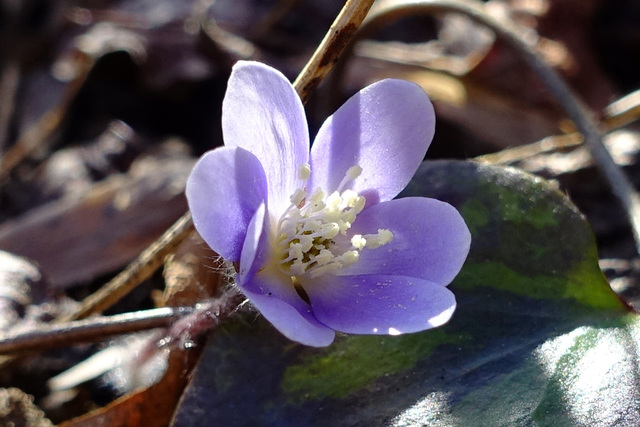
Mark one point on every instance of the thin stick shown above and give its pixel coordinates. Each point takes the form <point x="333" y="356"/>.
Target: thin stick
<point x="138" y="271"/>
<point x="521" y="152"/>
<point x="89" y="330"/>
<point x="328" y="52"/>
<point x="576" y="111"/>
<point x="9" y="82"/>
<point x="620" y="113"/>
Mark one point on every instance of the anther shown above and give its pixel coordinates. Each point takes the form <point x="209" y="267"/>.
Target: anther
<point x="304" y="171"/>
<point x="352" y="173"/>
<point x="307" y="229"/>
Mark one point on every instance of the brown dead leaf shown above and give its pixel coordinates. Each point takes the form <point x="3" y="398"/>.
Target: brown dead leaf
<point x="192" y="274"/>
<point x="75" y="241"/>
<point x="189" y="280"/>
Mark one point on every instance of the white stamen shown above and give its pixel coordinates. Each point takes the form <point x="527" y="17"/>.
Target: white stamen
<point x="352" y="173"/>
<point x="298" y="196"/>
<point x="307" y="229"/>
<point x="358" y="241"/>
<point x="381" y="238"/>
<point x="304" y="171"/>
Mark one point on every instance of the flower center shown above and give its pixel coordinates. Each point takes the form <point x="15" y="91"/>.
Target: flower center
<point x="307" y="229"/>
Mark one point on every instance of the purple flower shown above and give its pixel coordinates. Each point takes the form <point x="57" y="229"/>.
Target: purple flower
<point x="321" y="246"/>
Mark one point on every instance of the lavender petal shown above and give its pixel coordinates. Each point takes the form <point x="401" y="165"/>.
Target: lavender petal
<point x="279" y="303"/>
<point x="430" y="240"/>
<point x="386" y="129"/>
<point x="379" y="304"/>
<point x="224" y="190"/>
<point x="262" y="113"/>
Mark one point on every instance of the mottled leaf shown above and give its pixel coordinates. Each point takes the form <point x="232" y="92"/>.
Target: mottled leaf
<point x="538" y="336"/>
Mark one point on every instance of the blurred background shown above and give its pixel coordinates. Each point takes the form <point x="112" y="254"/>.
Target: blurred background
<point x="105" y="105"/>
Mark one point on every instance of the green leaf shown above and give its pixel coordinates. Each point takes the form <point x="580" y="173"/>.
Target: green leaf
<point x="538" y="336"/>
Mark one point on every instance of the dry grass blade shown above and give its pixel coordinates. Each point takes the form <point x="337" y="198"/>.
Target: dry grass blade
<point x="620" y="113"/>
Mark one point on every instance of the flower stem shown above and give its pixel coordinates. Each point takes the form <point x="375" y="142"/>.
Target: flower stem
<point x="182" y="323"/>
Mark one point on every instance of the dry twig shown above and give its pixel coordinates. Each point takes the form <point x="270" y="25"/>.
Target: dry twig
<point x="332" y="46"/>
<point x="89" y="330"/>
<point x="618" y="114"/>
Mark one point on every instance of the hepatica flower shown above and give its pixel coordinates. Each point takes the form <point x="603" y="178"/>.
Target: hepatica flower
<point x="319" y="244"/>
